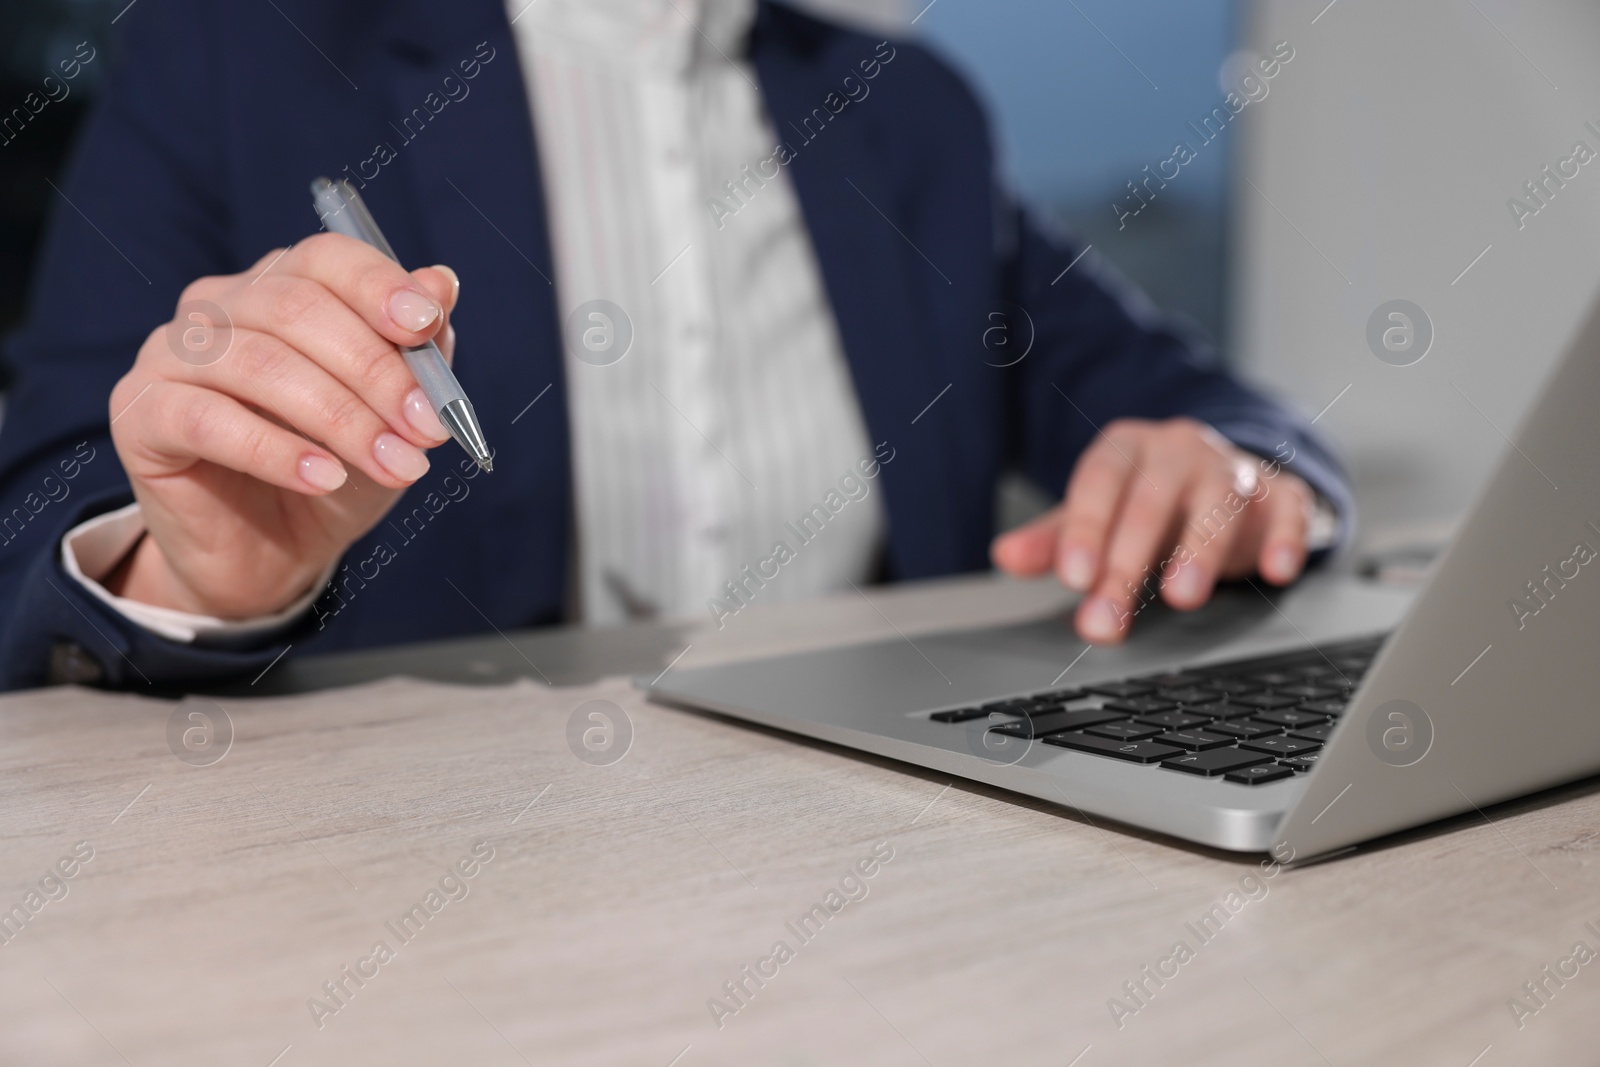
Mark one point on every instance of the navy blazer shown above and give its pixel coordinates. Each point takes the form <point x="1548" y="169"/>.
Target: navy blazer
<point x="196" y="160"/>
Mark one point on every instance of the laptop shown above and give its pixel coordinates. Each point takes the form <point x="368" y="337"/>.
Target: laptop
<point x="1301" y="721"/>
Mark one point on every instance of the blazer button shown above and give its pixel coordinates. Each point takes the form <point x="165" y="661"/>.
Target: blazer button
<point x="70" y="664"/>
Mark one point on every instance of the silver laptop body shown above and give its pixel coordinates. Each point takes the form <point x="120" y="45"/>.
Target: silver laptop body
<point x="1485" y="689"/>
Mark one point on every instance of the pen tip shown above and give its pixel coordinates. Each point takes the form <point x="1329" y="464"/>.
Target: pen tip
<point x="487" y="464"/>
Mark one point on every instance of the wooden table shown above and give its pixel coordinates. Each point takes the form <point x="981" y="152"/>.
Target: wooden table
<point x="621" y="901"/>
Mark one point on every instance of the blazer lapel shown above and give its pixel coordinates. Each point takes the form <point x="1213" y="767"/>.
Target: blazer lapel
<point x="466" y="160"/>
<point x="843" y="182"/>
<point x="464" y="146"/>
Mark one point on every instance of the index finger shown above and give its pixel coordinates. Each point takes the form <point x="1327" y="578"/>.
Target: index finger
<point x="374" y="286"/>
<point x="1094" y="494"/>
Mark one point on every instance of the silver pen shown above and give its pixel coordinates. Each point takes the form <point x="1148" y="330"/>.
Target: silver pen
<point x="342" y="211"/>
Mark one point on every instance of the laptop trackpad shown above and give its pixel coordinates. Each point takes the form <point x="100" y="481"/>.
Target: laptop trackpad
<point x="1242" y="619"/>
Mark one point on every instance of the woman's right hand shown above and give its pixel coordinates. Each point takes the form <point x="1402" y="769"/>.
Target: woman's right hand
<point x="273" y="422"/>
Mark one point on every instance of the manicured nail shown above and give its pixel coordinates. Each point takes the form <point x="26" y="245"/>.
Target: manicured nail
<point x="321" y="472"/>
<point x="1284" y="561"/>
<point x="1189" y="585"/>
<point x="1077" y="569"/>
<point x="1100" y="620"/>
<point x="413" y="310"/>
<point x="455" y="282"/>
<point x="399" y="457"/>
<point x="420" y="414"/>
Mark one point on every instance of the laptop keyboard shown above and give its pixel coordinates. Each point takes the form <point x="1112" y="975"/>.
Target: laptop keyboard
<point x="1247" y="721"/>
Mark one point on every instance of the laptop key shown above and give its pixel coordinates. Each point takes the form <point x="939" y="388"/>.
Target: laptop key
<point x="1191" y="694"/>
<point x="1244" y="731"/>
<point x="1324" y="707"/>
<point x="1280" y="746"/>
<point x="1217" y="761"/>
<point x="1173" y="720"/>
<point x="1222" y="709"/>
<point x="1176" y="679"/>
<point x="1291" y="717"/>
<point x="1259" y="773"/>
<point x="1121" y="689"/>
<point x="1039" y="725"/>
<point x="1124" y="730"/>
<point x="1232" y="686"/>
<point x="1058" y="696"/>
<point x="1276" y="678"/>
<point x="958" y="715"/>
<point x="1140" y="705"/>
<point x="1266" y="700"/>
<point x="1132" y="751"/>
<point x="1196" y="740"/>
<point x="1009" y="706"/>
<point x="1318" y="734"/>
<point x="1301" y="763"/>
<point x="1309" y="692"/>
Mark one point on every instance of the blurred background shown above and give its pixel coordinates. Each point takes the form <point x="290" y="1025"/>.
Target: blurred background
<point x="1376" y="165"/>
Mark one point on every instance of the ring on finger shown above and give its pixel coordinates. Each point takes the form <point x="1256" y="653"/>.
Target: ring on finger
<point x="1245" y="480"/>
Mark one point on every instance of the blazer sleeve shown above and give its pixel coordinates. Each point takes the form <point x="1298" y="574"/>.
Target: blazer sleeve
<point x="138" y="215"/>
<point x="1100" y="351"/>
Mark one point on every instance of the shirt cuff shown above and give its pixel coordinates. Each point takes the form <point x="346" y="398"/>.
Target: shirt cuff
<point x="91" y="550"/>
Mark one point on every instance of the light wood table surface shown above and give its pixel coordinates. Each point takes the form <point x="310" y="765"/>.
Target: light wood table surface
<point x="620" y="898"/>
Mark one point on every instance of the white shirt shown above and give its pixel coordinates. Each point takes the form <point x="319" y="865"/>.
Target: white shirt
<point x="731" y="413"/>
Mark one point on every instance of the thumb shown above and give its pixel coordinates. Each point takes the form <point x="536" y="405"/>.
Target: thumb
<point x="442" y="284"/>
<point x="1030" y="548"/>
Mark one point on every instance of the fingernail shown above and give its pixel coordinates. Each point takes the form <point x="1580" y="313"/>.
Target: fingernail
<point x="399" y="457"/>
<point x="1077" y="569"/>
<point x="1100" y="620"/>
<point x="1285" y="561"/>
<point x="455" y="282"/>
<point x="321" y="472"/>
<point x="413" y="310"/>
<point x="1189" y="584"/>
<point x="420" y="414"/>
